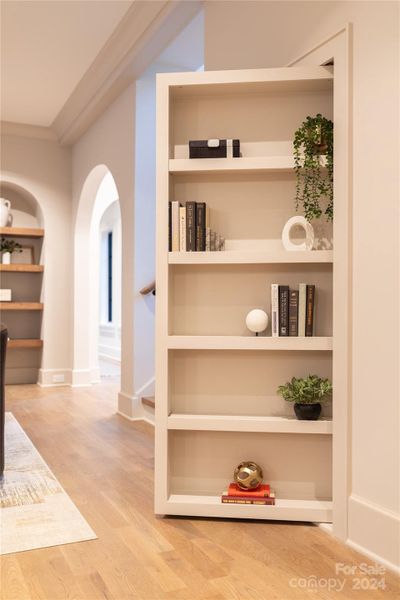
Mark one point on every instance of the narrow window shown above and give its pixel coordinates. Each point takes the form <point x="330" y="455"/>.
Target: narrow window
<point x="110" y="286"/>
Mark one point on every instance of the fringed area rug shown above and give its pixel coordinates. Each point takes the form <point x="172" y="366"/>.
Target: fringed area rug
<point x="35" y="510"/>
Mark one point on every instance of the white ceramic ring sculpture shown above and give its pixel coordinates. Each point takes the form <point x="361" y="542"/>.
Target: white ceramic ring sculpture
<point x="257" y="320"/>
<point x="309" y="231"/>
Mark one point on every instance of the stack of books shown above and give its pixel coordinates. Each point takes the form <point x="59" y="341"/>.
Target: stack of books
<point x="189" y="228"/>
<point x="235" y="495"/>
<point x="292" y="311"/>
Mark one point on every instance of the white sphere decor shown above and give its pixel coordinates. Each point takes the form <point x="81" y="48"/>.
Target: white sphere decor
<point x="308" y="229"/>
<point x="257" y="320"/>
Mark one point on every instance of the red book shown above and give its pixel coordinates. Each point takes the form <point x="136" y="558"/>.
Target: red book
<point x="229" y="499"/>
<point x="263" y="491"/>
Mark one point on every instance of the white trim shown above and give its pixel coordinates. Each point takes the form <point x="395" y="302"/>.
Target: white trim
<point x="45" y="377"/>
<point x="339" y="47"/>
<point x="373" y="556"/>
<point x="147" y="389"/>
<point x="27" y="131"/>
<point x="133" y="419"/>
<point x="146" y="29"/>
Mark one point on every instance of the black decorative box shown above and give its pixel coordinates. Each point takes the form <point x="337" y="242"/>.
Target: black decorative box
<point x="214" y="149"/>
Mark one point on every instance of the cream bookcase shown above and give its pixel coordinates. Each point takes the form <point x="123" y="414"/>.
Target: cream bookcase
<point x="216" y="401"/>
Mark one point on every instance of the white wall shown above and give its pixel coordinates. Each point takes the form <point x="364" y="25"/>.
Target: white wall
<point x="110" y="142"/>
<point x="42" y="168"/>
<point x="268" y="34"/>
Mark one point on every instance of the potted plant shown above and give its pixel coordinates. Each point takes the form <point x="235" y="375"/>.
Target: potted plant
<point x="7" y="247"/>
<point x="307" y="395"/>
<point x="314" y="177"/>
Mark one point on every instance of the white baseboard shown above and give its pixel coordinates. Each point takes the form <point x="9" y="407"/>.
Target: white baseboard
<point x="130" y="406"/>
<point x="147" y="389"/>
<point x="111" y="359"/>
<point x="134" y="418"/>
<point x="374" y="531"/>
<point x="46" y="377"/>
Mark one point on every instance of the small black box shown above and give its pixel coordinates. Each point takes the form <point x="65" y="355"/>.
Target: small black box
<point x="214" y="149"/>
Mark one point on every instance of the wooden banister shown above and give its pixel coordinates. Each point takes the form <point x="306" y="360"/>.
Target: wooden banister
<point x="149" y="289"/>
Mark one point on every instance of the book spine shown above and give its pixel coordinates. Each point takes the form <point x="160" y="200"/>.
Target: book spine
<point x="263" y="501"/>
<point x="275" y="309"/>
<point x="175" y="226"/>
<point x="208" y="239"/>
<point x="169" y="226"/>
<point x="310" y="310"/>
<point x="293" y="312"/>
<point x="191" y="226"/>
<point x="283" y="310"/>
<point x="182" y="228"/>
<point x="302" y="309"/>
<point x="212" y="240"/>
<point x="200" y="226"/>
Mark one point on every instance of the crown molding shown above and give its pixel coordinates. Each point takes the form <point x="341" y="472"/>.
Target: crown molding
<point x="146" y="29"/>
<point x="28" y="131"/>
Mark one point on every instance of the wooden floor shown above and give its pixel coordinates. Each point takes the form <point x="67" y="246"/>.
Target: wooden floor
<point x="105" y="463"/>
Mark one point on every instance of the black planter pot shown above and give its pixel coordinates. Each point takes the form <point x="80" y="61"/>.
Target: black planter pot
<point x="307" y="412"/>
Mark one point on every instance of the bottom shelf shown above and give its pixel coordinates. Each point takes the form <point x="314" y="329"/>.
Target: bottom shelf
<point x="286" y="510"/>
<point x="24" y="343"/>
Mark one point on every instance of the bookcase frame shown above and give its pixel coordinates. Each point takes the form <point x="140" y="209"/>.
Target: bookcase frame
<point x="166" y="501"/>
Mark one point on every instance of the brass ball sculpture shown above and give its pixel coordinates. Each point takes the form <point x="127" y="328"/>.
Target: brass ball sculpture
<point x="248" y="475"/>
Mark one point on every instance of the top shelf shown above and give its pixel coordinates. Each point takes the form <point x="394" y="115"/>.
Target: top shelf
<point x="22" y="232"/>
<point x="248" y="164"/>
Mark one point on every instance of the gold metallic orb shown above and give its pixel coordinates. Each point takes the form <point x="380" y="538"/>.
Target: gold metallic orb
<point x="248" y="475"/>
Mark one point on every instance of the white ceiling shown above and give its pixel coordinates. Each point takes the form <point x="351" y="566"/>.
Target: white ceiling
<point x="46" y="48"/>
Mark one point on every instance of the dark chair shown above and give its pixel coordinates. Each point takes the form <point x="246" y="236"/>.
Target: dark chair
<point x="3" y="349"/>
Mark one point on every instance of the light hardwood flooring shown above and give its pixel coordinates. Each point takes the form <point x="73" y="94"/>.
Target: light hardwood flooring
<point x="105" y="463"/>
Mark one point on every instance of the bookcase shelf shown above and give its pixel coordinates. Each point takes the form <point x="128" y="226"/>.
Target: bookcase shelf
<point x="284" y="509"/>
<point x="248" y="423"/>
<point x="250" y="198"/>
<point x="21" y="306"/>
<point x="21" y="268"/>
<point x="24" y="344"/>
<point x="237" y="342"/>
<point x="28" y="232"/>
<point x="231" y="257"/>
<point x="283" y="164"/>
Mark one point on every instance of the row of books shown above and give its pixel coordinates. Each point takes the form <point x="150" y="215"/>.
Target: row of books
<point x="189" y="228"/>
<point x="292" y="311"/>
<point x="235" y="495"/>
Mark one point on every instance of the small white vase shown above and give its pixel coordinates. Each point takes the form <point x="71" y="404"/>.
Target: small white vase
<point x="6" y="258"/>
<point x="5" y="206"/>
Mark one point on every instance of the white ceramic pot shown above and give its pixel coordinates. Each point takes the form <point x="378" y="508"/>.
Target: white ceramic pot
<point x="6" y="258"/>
<point x="5" y="206"/>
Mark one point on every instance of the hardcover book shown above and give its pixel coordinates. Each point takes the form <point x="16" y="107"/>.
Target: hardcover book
<point x="175" y="226"/>
<point x="200" y="226"/>
<point x="182" y="228"/>
<point x="191" y="226"/>
<point x="263" y="490"/>
<point x="283" y="310"/>
<point x="310" y="300"/>
<point x="263" y="501"/>
<point x="302" y="309"/>
<point x="293" y="312"/>
<point x="275" y="309"/>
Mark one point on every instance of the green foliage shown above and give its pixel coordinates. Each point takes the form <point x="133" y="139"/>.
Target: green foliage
<point x="310" y="390"/>
<point x="10" y="246"/>
<point x="313" y="184"/>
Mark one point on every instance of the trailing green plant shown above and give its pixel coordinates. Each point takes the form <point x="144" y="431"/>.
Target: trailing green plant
<point x="10" y="246"/>
<point x="310" y="390"/>
<point x="313" y="183"/>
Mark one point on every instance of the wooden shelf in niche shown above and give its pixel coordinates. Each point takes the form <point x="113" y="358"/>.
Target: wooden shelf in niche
<point x="248" y="423"/>
<point x="22" y="232"/>
<point x="21" y="268"/>
<point x="21" y="306"/>
<point x="24" y="343"/>
<point x="237" y="342"/>
<point x="250" y="257"/>
<point x="245" y="164"/>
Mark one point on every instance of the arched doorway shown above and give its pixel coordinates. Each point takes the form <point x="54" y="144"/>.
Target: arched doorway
<point x="99" y="194"/>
